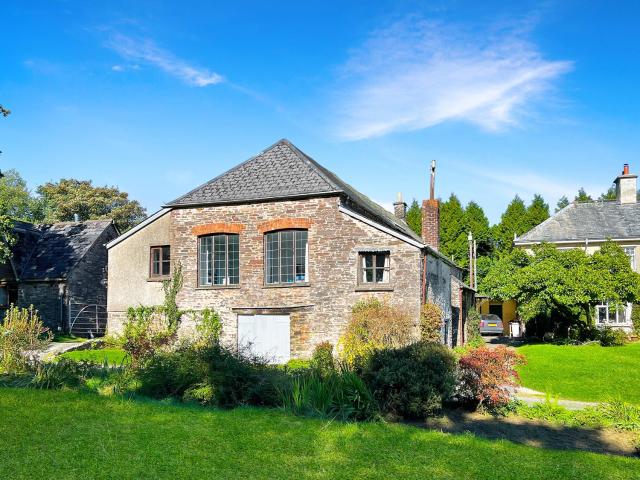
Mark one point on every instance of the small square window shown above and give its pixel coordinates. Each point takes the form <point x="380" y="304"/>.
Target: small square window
<point x="160" y="262"/>
<point x="373" y="268"/>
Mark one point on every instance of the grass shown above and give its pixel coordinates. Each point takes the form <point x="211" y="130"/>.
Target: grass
<point x="88" y="436"/>
<point x="113" y="356"/>
<point x="589" y="372"/>
<point x="67" y="338"/>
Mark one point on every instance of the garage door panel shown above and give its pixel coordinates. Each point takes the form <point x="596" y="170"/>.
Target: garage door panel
<point x="267" y="336"/>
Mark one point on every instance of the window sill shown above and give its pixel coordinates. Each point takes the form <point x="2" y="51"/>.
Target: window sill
<point x="286" y="285"/>
<point x="218" y="287"/>
<point x="159" y="279"/>
<point x="374" y="288"/>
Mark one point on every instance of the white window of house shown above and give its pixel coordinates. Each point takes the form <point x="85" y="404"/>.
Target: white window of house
<point x="607" y="314"/>
<point x="373" y="267"/>
<point x="219" y="260"/>
<point x="286" y="257"/>
<point x="631" y="253"/>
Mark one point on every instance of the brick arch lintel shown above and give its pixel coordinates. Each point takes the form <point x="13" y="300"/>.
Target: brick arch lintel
<point x="284" y="223"/>
<point x="210" y="228"/>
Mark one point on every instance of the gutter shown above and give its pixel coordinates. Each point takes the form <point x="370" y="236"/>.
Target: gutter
<point x="563" y="242"/>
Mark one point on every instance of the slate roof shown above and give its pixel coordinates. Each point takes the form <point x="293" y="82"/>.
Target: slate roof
<point x="45" y="252"/>
<point x="283" y="171"/>
<point x="590" y="220"/>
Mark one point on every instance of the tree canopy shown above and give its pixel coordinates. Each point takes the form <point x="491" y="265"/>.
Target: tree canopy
<point x="583" y="196"/>
<point x="414" y="217"/>
<point x="563" y="201"/>
<point x="67" y="197"/>
<point x="16" y="200"/>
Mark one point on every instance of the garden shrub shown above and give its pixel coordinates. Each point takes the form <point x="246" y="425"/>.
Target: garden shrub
<point x="412" y="381"/>
<point x="21" y="332"/>
<point x="473" y="328"/>
<point x="612" y="337"/>
<point x="322" y="361"/>
<point x="374" y="325"/>
<point x="430" y="322"/>
<point x="339" y="395"/>
<point x="635" y="318"/>
<point x="485" y="376"/>
<point x="209" y="328"/>
<point x="145" y="331"/>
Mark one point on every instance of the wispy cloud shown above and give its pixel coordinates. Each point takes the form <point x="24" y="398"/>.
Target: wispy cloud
<point x="416" y="74"/>
<point x="146" y="51"/>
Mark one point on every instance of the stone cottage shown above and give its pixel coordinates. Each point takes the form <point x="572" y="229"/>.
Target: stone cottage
<point x="60" y="269"/>
<point x="282" y="248"/>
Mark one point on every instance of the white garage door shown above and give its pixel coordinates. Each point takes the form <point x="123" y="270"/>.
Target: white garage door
<point x="265" y="335"/>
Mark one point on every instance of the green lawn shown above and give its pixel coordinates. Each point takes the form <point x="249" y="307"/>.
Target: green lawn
<point x="64" y="434"/>
<point x="113" y="356"/>
<point x="590" y="372"/>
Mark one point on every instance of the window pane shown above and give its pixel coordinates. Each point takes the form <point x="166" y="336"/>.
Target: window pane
<point x="368" y="275"/>
<point x="166" y="254"/>
<point x="233" y="255"/>
<point x="301" y="256"/>
<point x="286" y="257"/>
<point x="205" y="251"/>
<point x="273" y="258"/>
<point x="219" y="259"/>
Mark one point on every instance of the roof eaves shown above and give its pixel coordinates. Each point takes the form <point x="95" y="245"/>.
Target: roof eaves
<point x="150" y="219"/>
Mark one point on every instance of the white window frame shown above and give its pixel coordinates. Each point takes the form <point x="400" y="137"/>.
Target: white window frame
<point x="631" y="253"/>
<point x="622" y="315"/>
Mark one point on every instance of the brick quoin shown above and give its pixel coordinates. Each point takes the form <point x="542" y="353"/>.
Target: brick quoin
<point x="284" y="223"/>
<point x="210" y="228"/>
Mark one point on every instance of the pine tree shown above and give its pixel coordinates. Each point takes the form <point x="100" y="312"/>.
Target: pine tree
<point x="537" y="212"/>
<point x="453" y="238"/>
<point x="414" y="217"/>
<point x="477" y="223"/>
<point x="583" y="196"/>
<point x="562" y="202"/>
<point x="512" y="222"/>
<point x="610" y="194"/>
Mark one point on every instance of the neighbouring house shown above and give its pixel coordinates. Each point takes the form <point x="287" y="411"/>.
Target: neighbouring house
<point x="282" y="249"/>
<point x="60" y="269"/>
<point x="505" y="309"/>
<point x="588" y="225"/>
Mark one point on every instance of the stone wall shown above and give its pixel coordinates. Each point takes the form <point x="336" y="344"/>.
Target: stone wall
<point x="319" y="309"/>
<point x="49" y="298"/>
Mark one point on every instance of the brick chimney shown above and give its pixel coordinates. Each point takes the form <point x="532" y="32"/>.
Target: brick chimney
<point x="400" y="208"/>
<point x="431" y="214"/>
<point x="626" y="186"/>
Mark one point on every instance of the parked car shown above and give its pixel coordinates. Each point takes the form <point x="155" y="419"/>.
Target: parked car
<point x="490" y="324"/>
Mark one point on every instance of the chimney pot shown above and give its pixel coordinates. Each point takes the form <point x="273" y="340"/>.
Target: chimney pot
<point x="625" y="169"/>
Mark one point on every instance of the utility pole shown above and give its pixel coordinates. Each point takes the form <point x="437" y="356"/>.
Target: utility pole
<point x="471" y="275"/>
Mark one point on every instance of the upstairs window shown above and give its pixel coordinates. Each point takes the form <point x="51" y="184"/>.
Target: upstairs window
<point x="373" y="268"/>
<point x="286" y="257"/>
<point x="219" y="260"/>
<point x="631" y="253"/>
<point x="160" y="262"/>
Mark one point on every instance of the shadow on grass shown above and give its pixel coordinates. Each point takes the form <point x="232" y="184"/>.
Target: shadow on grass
<point x="535" y="433"/>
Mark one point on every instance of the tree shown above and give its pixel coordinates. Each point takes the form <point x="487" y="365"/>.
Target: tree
<point x="537" y="212"/>
<point x="453" y="237"/>
<point x="64" y="199"/>
<point x="476" y="222"/>
<point x="583" y="196"/>
<point x="557" y="289"/>
<point x="512" y="222"/>
<point x="16" y="200"/>
<point x="414" y="217"/>
<point x="562" y="203"/>
<point x="610" y="194"/>
<point x="4" y="111"/>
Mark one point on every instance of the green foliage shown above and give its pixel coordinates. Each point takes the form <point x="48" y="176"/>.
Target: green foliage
<point x="414" y="217"/>
<point x="635" y="318"/>
<point x="412" y="381"/>
<point x="21" y="334"/>
<point x="431" y="322"/>
<point x="341" y="395"/>
<point x="322" y="361"/>
<point x="145" y="331"/>
<point x="611" y="337"/>
<point x="557" y="289"/>
<point x="562" y="203"/>
<point x="583" y="196"/>
<point x="16" y="201"/>
<point x="473" y="328"/>
<point x="616" y="414"/>
<point x="373" y="325"/>
<point x="208" y="328"/>
<point x="537" y="212"/>
<point x="512" y="222"/>
<point x="67" y="197"/>
<point x="7" y="238"/>
<point x="171" y="289"/>
<point x="610" y="194"/>
<point x="453" y="234"/>
<point x="476" y="222"/>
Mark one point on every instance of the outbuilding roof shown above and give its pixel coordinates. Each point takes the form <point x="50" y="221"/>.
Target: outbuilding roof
<point x="46" y="252"/>
<point x="282" y="172"/>
<point x="599" y="220"/>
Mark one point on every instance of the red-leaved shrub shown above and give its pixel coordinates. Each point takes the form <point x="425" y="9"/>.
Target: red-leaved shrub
<point x="487" y="375"/>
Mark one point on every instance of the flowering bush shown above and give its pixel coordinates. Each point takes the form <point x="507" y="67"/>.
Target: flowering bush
<point x="486" y="375"/>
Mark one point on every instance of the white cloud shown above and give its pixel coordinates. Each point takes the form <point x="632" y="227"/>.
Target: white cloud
<point x="146" y="51"/>
<point x="117" y="68"/>
<point x="417" y="74"/>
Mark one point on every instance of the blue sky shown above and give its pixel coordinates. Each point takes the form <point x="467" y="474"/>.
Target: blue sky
<point x="158" y="97"/>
